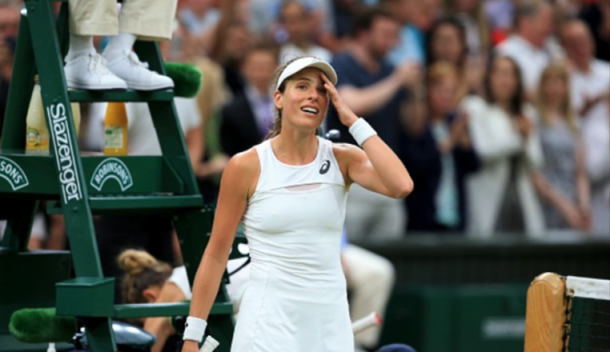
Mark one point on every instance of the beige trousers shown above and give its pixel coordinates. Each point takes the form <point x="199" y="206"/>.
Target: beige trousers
<point x="147" y="19"/>
<point x="370" y="279"/>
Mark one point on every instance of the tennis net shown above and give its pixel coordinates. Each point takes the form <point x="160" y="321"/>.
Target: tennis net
<point x="568" y="314"/>
<point x="587" y="315"/>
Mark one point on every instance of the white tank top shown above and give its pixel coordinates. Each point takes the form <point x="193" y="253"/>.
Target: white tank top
<point x="293" y="223"/>
<point x="296" y="299"/>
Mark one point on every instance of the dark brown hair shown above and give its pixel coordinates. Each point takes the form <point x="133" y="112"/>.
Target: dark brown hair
<point x="363" y="19"/>
<point x="142" y="271"/>
<point x="461" y="31"/>
<point x="518" y="98"/>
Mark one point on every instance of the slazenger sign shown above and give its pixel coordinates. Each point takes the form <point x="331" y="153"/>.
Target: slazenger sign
<point x="12" y="173"/>
<point x="111" y="168"/>
<point x="68" y="178"/>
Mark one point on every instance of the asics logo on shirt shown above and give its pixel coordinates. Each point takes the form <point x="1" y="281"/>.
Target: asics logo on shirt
<point x="325" y="167"/>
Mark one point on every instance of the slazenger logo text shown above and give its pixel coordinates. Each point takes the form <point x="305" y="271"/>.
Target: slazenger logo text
<point x="70" y="184"/>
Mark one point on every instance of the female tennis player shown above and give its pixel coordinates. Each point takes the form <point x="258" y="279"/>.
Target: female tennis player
<point x="290" y="193"/>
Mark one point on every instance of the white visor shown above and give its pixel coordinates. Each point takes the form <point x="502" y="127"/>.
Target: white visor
<point x="305" y="62"/>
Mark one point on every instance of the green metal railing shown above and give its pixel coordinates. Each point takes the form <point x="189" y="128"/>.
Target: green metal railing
<point x="162" y="184"/>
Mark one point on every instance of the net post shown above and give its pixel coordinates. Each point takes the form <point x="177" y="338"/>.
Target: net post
<point x="545" y="314"/>
<point x="567" y="327"/>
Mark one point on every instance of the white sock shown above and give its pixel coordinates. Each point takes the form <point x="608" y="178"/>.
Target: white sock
<point x="118" y="44"/>
<point x="79" y="45"/>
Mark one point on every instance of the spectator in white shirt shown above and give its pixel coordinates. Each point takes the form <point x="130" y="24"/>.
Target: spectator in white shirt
<point x="298" y="22"/>
<point x="531" y="46"/>
<point x="501" y="197"/>
<point x="590" y="86"/>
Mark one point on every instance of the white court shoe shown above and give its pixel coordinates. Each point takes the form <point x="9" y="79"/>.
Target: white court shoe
<point x="90" y="72"/>
<point x="136" y="74"/>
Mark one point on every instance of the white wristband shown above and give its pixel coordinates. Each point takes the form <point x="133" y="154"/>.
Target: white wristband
<point x="361" y="131"/>
<point x="195" y="328"/>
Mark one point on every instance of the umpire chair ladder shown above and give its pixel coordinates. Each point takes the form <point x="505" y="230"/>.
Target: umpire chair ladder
<point x="158" y="184"/>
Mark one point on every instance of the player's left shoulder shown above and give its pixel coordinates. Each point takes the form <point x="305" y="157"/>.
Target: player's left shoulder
<point x="345" y="151"/>
<point x="347" y="154"/>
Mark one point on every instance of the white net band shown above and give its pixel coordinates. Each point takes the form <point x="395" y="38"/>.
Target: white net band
<point x="588" y="288"/>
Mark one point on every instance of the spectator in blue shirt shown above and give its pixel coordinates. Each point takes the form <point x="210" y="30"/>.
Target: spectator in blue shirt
<point x="375" y="90"/>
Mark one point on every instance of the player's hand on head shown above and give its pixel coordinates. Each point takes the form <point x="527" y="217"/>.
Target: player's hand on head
<point x="346" y="115"/>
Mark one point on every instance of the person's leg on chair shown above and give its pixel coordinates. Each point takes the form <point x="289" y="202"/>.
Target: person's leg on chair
<point x="85" y="68"/>
<point x="145" y="20"/>
<point x="118" y="67"/>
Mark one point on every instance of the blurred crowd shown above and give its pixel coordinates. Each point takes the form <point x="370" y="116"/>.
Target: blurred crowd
<point x="498" y="108"/>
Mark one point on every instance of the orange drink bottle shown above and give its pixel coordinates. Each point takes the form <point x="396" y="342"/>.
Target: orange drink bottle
<point x="115" y="129"/>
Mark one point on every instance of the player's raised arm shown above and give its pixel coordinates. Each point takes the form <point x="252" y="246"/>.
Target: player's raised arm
<point x="377" y="168"/>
